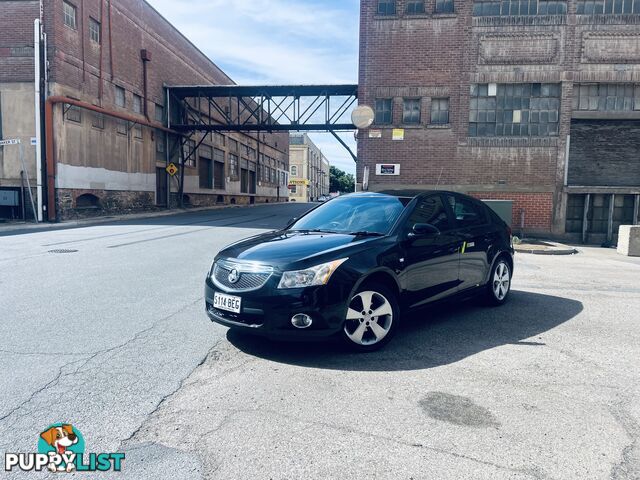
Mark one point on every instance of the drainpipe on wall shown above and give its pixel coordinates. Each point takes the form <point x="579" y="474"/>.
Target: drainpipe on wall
<point x="37" y="36"/>
<point x="145" y="55"/>
<point x="50" y="155"/>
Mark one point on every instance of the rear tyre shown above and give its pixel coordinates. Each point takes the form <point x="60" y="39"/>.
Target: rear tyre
<point x="372" y="318"/>
<point x="499" y="285"/>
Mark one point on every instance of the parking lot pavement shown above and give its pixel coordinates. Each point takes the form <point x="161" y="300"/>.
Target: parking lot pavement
<point x="545" y="387"/>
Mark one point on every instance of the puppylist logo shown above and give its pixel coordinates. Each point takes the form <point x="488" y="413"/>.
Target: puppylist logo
<point x="61" y="448"/>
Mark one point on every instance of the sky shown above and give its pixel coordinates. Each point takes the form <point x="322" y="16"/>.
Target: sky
<point x="277" y="42"/>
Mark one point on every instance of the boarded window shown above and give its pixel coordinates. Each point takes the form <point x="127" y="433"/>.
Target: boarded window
<point x="73" y="113"/>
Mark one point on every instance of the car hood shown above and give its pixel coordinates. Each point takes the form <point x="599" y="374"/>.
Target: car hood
<point x="287" y="248"/>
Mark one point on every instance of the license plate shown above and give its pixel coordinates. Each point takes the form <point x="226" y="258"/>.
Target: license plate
<point x="227" y="302"/>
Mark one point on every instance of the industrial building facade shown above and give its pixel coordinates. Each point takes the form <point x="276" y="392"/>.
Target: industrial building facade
<point x="308" y="170"/>
<point x="117" y="56"/>
<point x="534" y="101"/>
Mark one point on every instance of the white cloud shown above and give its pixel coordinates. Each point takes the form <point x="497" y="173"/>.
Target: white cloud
<point x="276" y="42"/>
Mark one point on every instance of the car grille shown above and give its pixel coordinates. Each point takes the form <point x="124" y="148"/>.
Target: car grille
<point x="247" y="280"/>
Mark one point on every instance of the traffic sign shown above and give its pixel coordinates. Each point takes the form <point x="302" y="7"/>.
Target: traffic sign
<point x="172" y="169"/>
<point x="12" y="141"/>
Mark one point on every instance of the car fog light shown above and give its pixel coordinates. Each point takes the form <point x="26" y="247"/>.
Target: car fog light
<point x="301" y="321"/>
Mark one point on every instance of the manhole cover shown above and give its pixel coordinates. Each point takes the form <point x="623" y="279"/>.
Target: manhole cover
<point x="62" y="250"/>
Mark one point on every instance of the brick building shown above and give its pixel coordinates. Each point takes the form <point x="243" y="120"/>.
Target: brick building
<point x="97" y="52"/>
<point x="308" y="170"/>
<point x="535" y="101"/>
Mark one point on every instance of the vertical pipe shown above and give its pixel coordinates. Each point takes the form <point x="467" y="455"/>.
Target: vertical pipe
<point x="585" y="218"/>
<point x="612" y="201"/>
<point x="100" y="86"/>
<point x="636" y="210"/>
<point x="110" y="42"/>
<point x="82" y="40"/>
<point x="38" y="121"/>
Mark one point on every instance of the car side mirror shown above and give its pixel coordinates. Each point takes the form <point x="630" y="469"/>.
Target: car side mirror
<point x="424" y="230"/>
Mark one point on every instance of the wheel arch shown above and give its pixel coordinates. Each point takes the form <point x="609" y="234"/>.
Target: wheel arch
<point x="500" y="254"/>
<point x="382" y="276"/>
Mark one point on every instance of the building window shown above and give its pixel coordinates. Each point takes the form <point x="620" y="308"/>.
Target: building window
<point x="219" y="139"/>
<point x="294" y="171"/>
<point x="233" y="165"/>
<point x="122" y="127"/>
<point x="73" y="113"/>
<point x="189" y="152"/>
<point x="205" y="168"/>
<point x="121" y="99"/>
<point x="218" y="169"/>
<point x="159" y="113"/>
<point x="444" y="6"/>
<point x="70" y="15"/>
<point x="386" y="7"/>
<point x="384" y="111"/>
<point x="519" y="7"/>
<point x="529" y="109"/>
<point x="415" y="8"/>
<point x="97" y="120"/>
<point x="293" y="189"/>
<point x="440" y="111"/>
<point x="607" y="7"/>
<point x="233" y="145"/>
<point x="160" y="145"/>
<point x="137" y="103"/>
<point x="411" y="111"/>
<point x="137" y="108"/>
<point x="606" y="97"/>
<point x="94" y="30"/>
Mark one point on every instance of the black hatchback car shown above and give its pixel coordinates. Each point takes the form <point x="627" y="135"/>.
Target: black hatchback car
<point x="352" y="265"/>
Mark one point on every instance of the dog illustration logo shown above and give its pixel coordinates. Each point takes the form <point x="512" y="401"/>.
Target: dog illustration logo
<point x="61" y="448"/>
<point x="62" y="443"/>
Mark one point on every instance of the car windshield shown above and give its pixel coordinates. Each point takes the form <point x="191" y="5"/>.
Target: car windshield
<point x="354" y="214"/>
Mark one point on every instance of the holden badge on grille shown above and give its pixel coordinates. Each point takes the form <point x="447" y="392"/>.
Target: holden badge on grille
<point x="234" y="276"/>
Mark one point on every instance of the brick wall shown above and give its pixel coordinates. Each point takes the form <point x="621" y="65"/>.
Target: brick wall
<point x="537" y="207"/>
<point x="16" y="40"/>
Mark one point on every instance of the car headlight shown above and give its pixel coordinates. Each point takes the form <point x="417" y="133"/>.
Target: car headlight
<point x="313" y="276"/>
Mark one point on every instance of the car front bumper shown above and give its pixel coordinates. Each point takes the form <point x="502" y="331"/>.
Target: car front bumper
<point x="268" y="310"/>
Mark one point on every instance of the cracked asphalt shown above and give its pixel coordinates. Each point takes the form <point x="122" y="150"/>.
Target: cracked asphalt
<point x="113" y="339"/>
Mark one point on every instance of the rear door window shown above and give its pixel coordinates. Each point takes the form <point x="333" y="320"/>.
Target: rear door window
<point x="431" y="210"/>
<point x="467" y="213"/>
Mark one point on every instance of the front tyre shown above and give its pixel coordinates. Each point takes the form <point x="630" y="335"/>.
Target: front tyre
<point x="372" y="318"/>
<point x="499" y="284"/>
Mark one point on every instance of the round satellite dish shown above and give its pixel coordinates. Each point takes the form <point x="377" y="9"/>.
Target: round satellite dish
<point x="362" y="116"/>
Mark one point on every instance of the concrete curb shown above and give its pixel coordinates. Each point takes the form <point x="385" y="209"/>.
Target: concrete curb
<point x="554" y="249"/>
<point x="33" y="227"/>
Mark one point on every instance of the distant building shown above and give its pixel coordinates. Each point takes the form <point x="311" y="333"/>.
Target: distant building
<point x="119" y="55"/>
<point x="534" y="101"/>
<point x="308" y="170"/>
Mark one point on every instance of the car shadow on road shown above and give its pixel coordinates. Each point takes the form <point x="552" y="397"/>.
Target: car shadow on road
<point x="432" y="337"/>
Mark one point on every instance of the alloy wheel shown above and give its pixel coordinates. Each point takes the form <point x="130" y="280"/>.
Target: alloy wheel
<point x="369" y="318"/>
<point x="501" y="281"/>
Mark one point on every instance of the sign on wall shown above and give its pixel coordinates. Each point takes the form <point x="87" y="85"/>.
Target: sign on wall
<point x="397" y="134"/>
<point x="387" y="169"/>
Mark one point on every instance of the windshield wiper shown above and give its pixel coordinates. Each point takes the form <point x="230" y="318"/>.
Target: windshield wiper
<point x="313" y="230"/>
<point x="365" y="233"/>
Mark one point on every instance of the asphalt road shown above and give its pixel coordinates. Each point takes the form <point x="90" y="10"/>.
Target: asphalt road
<point x="113" y="338"/>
